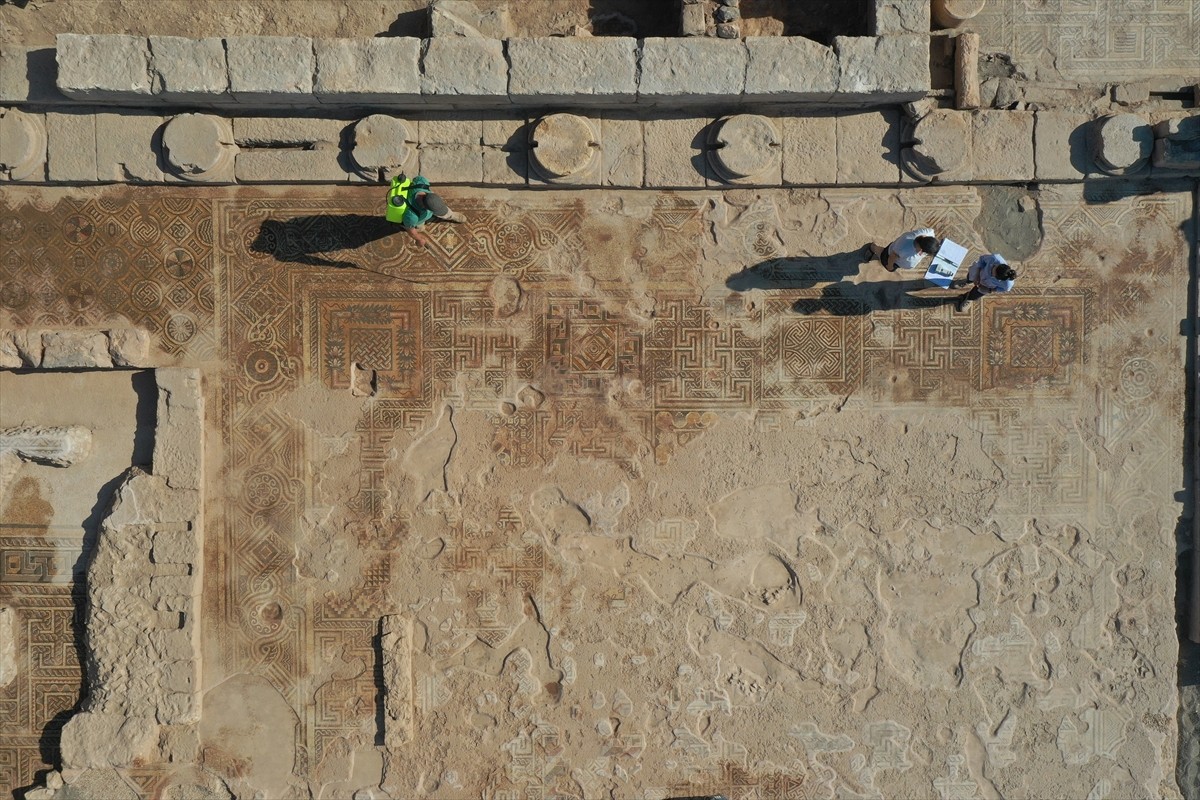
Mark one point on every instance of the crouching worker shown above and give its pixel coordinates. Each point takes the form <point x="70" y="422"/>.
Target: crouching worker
<point x="411" y="204"/>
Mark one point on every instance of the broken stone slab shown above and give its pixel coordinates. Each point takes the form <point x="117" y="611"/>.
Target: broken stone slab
<point x="675" y="152"/>
<point x="58" y="446"/>
<point x="396" y="644"/>
<point x="966" y="71"/>
<point x="599" y="70"/>
<point x="469" y="19"/>
<point x="184" y="70"/>
<point x="891" y="69"/>
<point x="8" y="646"/>
<point x="810" y="150"/>
<point x="22" y="145"/>
<point x="143" y="499"/>
<point x="178" y="456"/>
<point x="900" y="16"/>
<point x="290" y="166"/>
<point x="73" y="349"/>
<point x="71" y="148"/>
<point x="91" y="740"/>
<point x="382" y="145"/>
<point x="102" y="67"/>
<point x="10" y="356"/>
<point x="622" y="152"/>
<point x="1003" y="145"/>
<point x="127" y="148"/>
<point x="1122" y="144"/>
<point x="1061" y="151"/>
<point x="691" y="70"/>
<point x="270" y="70"/>
<point x="199" y="147"/>
<point x="379" y="70"/>
<point x="940" y="147"/>
<point x="868" y="148"/>
<point x="746" y="148"/>
<point x="129" y="347"/>
<point x="465" y="69"/>
<point x="28" y="75"/>
<point x="790" y="68"/>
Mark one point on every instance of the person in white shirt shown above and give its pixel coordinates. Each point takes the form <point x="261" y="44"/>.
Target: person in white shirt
<point x="990" y="273"/>
<point x="908" y="250"/>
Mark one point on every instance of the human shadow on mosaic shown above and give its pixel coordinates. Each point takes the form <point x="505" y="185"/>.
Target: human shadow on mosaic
<point x="848" y="299"/>
<point x="302" y="240"/>
<point x="800" y="272"/>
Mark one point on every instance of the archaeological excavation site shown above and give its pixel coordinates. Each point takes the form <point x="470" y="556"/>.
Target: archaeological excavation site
<point x="599" y="399"/>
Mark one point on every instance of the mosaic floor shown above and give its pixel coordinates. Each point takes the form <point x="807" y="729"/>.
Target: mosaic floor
<point x="678" y="496"/>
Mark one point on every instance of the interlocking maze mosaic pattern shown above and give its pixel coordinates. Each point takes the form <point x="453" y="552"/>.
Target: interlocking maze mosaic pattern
<point x="580" y="661"/>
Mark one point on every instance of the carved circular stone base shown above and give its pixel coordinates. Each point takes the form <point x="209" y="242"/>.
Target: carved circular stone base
<point x="744" y="146"/>
<point x="941" y="143"/>
<point x="198" y="147"/>
<point x="952" y="13"/>
<point x="1122" y="144"/>
<point x="564" y="146"/>
<point x="22" y="145"/>
<point x="381" y="143"/>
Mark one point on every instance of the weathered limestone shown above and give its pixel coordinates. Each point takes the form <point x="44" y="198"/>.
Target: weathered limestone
<point x="565" y="149"/>
<point x="199" y="147"/>
<point x="1003" y="145"/>
<point x="622" y="152"/>
<point x="966" y="71"/>
<point x="900" y="16"/>
<point x="1177" y="144"/>
<point x="952" y="13"/>
<point x="790" y="68"/>
<point x="178" y="429"/>
<point x="1061" y="146"/>
<point x="941" y="147"/>
<point x="22" y="145"/>
<point x="106" y="67"/>
<point x="320" y="165"/>
<point x="451" y="151"/>
<point x="557" y="69"/>
<point x="675" y="152"/>
<point x="52" y="446"/>
<point x="1122" y="144"/>
<point x="28" y="75"/>
<point x="74" y="348"/>
<point x="379" y="70"/>
<point x="693" y="18"/>
<point x="692" y="70"/>
<point x="396" y="643"/>
<point x="746" y="148"/>
<point x="505" y="152"/>
<point x="889" y="69"/>
<point x="99" y="740"/>
<point x="868" y="148"/>
<point x="183" y="69"/>
<point x="270" y="70"/>
<point x="126" y="148"/>
<point x="249" y="132"/>
<point x="464" y="69"/>
<point x="468" y="19"/>
<point x="810" y="150"/>
<point x="8" y="646"/>
<point x="382" y="145"/>
<point x="70" y="348"/>
<point x="71" y="148"/>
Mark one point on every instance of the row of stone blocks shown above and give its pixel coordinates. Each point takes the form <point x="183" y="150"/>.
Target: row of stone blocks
<point x="870" y="148"/>
<point x="470" y="72"/>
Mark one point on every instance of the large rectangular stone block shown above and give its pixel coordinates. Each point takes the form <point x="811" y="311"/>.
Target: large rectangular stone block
<point x="810" y="150"/>
<point x="451" y="163"/>
<point x="868" y="148"/>
<point x="622" y="152"/>
<point x="900" y="16"/>
<point x="179" y="429"/>
<point x="1061" y="146"/>
<point x="126" y="149"/>
<point x="188" y="69"/>
<point x="675" y="152"/>
<point x="459" y="132"/>
<point x="505" y="152"/>
<point x="1003" y="145"/>
<point x="581" y="71"/>
<point x="270" y="69"/>
<point x="697" y="69"/>
<point x="458" y="68"/>
<point x="886" y="69"/>
<point x="289" y="166"/>
<point x="483" y="20"/>
<point x="27" y="75"/>
<point x="367" y="70"/>
<point x="790" y="68"/>
<point x="102" y="67"/>
<point x="286" y="132"/>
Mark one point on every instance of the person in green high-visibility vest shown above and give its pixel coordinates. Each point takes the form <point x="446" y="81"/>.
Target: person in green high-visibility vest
<point x="411" y="204"/>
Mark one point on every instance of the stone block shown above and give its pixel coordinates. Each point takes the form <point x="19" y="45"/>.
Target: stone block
<point x="622" y="152"/>
<point x="790" y="68"/>
<point x="451" y="163"/>
<point x="469" y="19"/>
<point x="28" y="75"/>
<point x="290" y="166"/>
<point x="103" y="740"/>
<point x="1060" y="150"/>
<point x="458" y="132"/>
<point x="746" y="149"/>
<point x="199" y="147"/>
<point x="184" y="69"/>
<point x="868" y="150"/>
<point x="270" y="69"/>
<point x="459" y="68"/>
<point x="692" y="70"/>
<point x="179" y="428"/>
<point x="967" y="91"/>
<point x="693" y="21"/>
<point x="287" y="132"/>
<point x="74" y="349"/>
<point x="564" y="148"/>
<point x="172" y="644"/>
<point x="129" y="347"/>
<point x="1003" y="145"/>
<point x="891" y="69"/>
<point x="581" y="71"/>
<point x="505" y="152"/>
<point x="71" y="148"/>
<point x="147" y="500"/>
<point x="22" y="145"/>
<point x="177" y="676"/>
<point x="675" y="152"/>
<point x="367" y="70"/>
<point x="127" y="148"/>
<point x="939" y="148"/>
<point x="177" y="708"/>
<point x="900" y="16"/>
<point x="8" y="646"/>
<point x="810" y="151"/>
<point x="173" y="586"/>
<point x="396" y="647"/>
<point x="103" y="67"/>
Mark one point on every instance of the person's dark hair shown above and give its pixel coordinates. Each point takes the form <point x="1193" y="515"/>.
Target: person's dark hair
<point x="1005" y="273"/>
<point x="928" y="244"/>
<point x="435" y="204"/>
